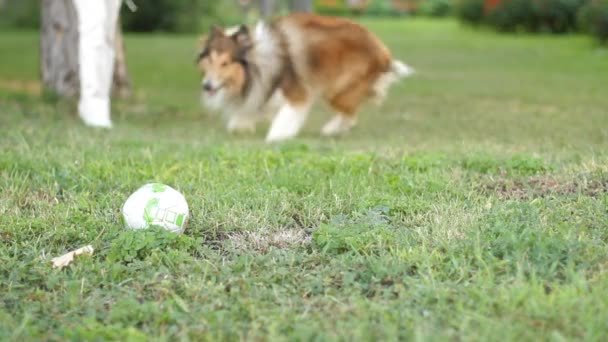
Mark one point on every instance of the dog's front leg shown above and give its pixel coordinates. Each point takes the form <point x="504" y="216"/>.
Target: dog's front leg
<point x="288" y="121"/>
<point x="242" y="122"/>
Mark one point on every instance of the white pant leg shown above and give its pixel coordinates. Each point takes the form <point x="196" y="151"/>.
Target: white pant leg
<point x="96" y="28"/>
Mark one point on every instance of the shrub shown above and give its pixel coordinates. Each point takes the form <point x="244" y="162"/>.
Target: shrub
<point x="593" y="18"/>
<point x="557" y="16"/>
<point x="435" y="8"/>
<point x="151" y="15"/>
<point x="509" y="15"/>
<point x="167" y="15"/>
<point x="20" y="14"/>
<point x="335" y="7"/>
<point x="378" y="8"/>
<point x="383" y="8"/>
<point x="470" y="11"/>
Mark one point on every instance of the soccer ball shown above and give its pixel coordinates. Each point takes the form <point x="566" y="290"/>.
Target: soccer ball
<point x="156" y="205"/>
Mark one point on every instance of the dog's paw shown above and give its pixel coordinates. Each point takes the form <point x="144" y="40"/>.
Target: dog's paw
<point x="239" y="125"/>
<point x="276" y="138"/>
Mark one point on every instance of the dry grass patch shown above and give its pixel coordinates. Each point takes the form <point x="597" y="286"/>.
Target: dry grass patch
<point x="21" y="86"/>
<point x="265" y="239"/>
<point x="544" y="186"/>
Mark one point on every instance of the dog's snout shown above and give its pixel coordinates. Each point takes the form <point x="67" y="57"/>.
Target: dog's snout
<point x="207" y="86"/>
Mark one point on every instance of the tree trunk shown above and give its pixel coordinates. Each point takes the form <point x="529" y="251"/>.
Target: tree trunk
<point x="59" y="51"/>
<point x="59" y="47"/>
<point x="121" y="82"/>
<point x="301" y="5"/>
<point x="267" y="8"/>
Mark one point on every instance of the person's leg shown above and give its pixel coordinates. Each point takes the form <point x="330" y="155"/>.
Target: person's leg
<point x="96" y="26"/>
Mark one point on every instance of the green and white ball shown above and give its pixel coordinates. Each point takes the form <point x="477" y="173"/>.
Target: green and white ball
<point x="156" y="205"/>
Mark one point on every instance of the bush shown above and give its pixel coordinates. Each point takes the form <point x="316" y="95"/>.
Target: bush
<point x="557" y="16"/>
<point x="470" y="11"/>
<point x="510" y="15"/>
<point x="332" y="8"/>
<point x="151" y="15"/>
<point x="383" y="8"/>
<point x="20" y="14"/>
<point x="593" y="19"/>
<point x="379" y="8"/>
<point x="167" y="15"/>
<point x="435" y="8"/>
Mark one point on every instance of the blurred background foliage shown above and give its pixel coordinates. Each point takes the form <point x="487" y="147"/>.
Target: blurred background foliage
<point x="189" y="16"/>
<point x="543" y="16"/>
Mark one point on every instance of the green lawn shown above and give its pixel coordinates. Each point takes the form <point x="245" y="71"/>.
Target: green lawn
<point x="471" y="206"/>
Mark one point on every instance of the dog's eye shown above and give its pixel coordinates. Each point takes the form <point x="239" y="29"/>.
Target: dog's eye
<point x="224" y="64"/>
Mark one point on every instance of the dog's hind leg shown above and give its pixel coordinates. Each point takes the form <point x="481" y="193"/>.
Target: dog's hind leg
<point x="340" y="123"/>
<point x="346" y="104"/>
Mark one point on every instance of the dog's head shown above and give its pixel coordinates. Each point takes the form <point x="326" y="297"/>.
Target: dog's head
<point x="223" y="62"/>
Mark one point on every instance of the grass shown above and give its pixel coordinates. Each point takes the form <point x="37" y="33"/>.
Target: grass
<point x="471" y="206"/>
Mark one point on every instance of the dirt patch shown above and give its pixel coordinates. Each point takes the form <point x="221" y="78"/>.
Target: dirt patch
<point x="544" y="186"/>
<point x="263" y="240"/>
<point x="35" y="198"/>
<point x="20" y="86"/>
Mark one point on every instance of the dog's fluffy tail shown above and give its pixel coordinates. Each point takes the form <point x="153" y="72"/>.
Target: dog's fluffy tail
<point x="401" y="70"/>
<point x="396" y="72"/>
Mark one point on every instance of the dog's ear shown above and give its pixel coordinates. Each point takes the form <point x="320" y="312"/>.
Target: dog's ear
<point x="243" y="40"/>
<point x="204" y="52"/>
<point x="241" y="33"/>
<point x="216" y="31"/>
<point x="202" y="48"/>
<point x="202" y="41"/>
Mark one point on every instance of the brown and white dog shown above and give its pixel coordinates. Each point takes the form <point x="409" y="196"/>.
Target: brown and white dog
<point x="285" y="65"/>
